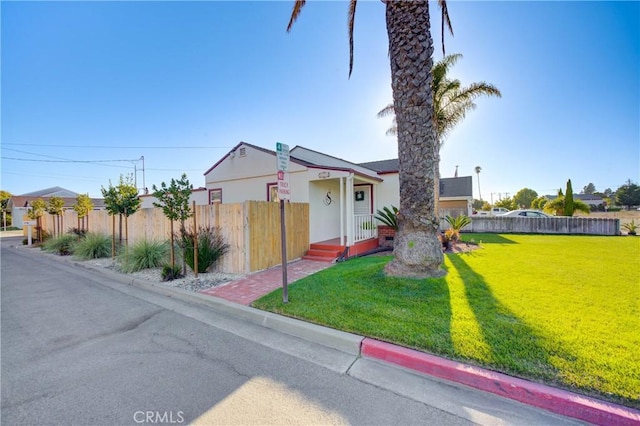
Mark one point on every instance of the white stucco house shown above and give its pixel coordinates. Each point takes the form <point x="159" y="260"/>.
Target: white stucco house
<point x="343" y="196"/>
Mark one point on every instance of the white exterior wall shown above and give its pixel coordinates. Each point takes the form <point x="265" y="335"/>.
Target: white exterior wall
<point x="16" y="216"/>
<point x="255" y="188"/>
<point x="243" y="178"/>
<point x="324" y="219"/>
<point x="387" y="193"/>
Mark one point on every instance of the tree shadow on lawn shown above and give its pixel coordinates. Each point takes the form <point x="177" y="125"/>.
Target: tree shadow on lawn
<point x="514" y="346"/>
<point x="486" y="238"/>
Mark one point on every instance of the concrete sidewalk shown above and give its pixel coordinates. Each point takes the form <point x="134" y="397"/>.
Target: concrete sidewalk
<point x="233" y="298"/>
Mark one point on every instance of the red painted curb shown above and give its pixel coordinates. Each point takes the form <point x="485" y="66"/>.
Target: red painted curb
<point x="552" y="399"/>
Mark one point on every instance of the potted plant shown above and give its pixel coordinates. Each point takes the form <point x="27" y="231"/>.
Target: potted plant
<point x="449" y="238"/>
<point x="630" y="227"/>
<point x="452" y="235"/>
<point x="387" y="232"/>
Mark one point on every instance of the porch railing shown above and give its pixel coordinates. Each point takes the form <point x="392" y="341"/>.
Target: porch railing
<point x="364" y="227"/>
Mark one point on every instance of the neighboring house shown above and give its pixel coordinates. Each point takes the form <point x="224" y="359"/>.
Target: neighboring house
<point x="343" y="196"/>
<point x="455" y="193"/>
<point x="19" y="204"/>
<point x="591" y="200"/>
<point x="199" y="195"/>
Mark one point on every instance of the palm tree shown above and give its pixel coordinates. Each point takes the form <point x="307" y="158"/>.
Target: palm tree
<point x="478" y="170"/>
<point x="417" y="251"/>
<point x="451" y="102"/>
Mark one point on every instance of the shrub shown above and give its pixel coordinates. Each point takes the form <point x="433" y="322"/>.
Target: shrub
<point x="77" y="231"/>
<point x="457" y="223"/>
<point x="144" y="254"/>
<point x="93" y="246"/>
<point x="62" y="245"/>
<point x="171" y="272"/>
<point x="631" y="227"/>
<point x="211" y="247"/>
<point x="388" y="216"/>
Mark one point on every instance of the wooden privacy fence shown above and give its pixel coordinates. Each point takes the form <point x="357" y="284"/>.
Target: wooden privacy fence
<point x="252" y="230"/>
<point x="547" y="225"/>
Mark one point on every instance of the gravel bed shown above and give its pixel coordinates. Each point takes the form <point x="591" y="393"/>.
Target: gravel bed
<point x="204" y="281"/>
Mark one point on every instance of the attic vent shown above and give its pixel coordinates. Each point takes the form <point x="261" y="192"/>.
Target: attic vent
<point x="242" y="152"/>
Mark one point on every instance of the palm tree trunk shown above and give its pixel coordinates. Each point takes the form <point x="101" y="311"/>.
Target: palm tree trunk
<point x="417" y="251"/>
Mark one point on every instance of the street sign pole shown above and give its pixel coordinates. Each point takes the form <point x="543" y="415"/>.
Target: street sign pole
<point x="284" y="193"/>
<point x="283" y="241"/>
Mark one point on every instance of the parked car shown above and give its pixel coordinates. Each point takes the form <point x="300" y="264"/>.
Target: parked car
<point x="495" y="211"/>
<point x="499" y="211"/>
<point x="526" y="213"/>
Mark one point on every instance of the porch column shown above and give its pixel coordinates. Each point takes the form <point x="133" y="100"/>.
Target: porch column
<point x="342" y="211"/>
<point x="349" y="205"/>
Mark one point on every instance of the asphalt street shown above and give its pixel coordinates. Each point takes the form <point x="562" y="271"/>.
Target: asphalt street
<point x="81" y="348"/>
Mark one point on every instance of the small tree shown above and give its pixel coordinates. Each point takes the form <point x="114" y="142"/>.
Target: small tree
<point x="174" y="202"/>
<point x="55" y="206"/>
<point x="557" y="205"/>
<point x="5" y="196"/>
<point x="121" y="200"/>
<point x="569" y="204"/>
<point x="477" y="204"/>
<point x="539" y="203"/>
<point x="507" y="203"/>
<point x="37" y="210"/>
<point x="628" y="195"/>
<point x="590" y="188"/>
<point x="525" y="197"/>
<point x="83" y="206"/>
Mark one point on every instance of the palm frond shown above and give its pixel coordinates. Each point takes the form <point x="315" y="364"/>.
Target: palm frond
<point x="297" y="7"/>
<point x="393" y="129"/>
<point x="444" y="21"/>
<point x="386" y="111"/>
<point x="351" y="21"/>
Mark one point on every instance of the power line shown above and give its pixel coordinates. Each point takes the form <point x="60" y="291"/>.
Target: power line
<point x="118" y="147"/>
<point x="65" y="161"/>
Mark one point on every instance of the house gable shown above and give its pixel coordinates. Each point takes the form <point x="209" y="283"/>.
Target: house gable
<point x="245" y="161"/>
<point x="321" y="160"/>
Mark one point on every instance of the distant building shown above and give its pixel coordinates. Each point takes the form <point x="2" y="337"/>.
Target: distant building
<point x="591" y="200"/>
<point x="19" y="204"/>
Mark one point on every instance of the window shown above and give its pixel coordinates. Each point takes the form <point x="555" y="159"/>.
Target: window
<point x="272" y="191"/>
<point x="215" y="196"/>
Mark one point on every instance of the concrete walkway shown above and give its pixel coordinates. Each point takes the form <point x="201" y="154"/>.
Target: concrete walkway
<point x="254" y="286"/>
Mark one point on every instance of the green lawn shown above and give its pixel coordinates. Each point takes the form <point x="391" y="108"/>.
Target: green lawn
<point x="564" y="310"/>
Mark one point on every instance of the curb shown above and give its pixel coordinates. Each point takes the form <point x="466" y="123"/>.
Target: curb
<point x="340" y="340"/>
<point x="555" y="400"/>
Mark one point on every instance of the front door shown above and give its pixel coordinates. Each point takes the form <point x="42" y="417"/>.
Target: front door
<point x="363" y="222"/>
<point x="363" y="203"/>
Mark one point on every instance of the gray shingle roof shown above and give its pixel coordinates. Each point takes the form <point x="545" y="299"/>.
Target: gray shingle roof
<point x="382" y="166"/>
<point x="456" y="187"/>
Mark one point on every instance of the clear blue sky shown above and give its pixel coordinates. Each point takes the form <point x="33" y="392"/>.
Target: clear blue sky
<point x="180" y="83"/>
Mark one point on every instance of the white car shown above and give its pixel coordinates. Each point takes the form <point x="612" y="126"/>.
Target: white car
<point x="526" y="213"/>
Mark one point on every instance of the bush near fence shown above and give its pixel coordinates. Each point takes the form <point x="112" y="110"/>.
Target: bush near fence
<point x="252" y="230"/>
